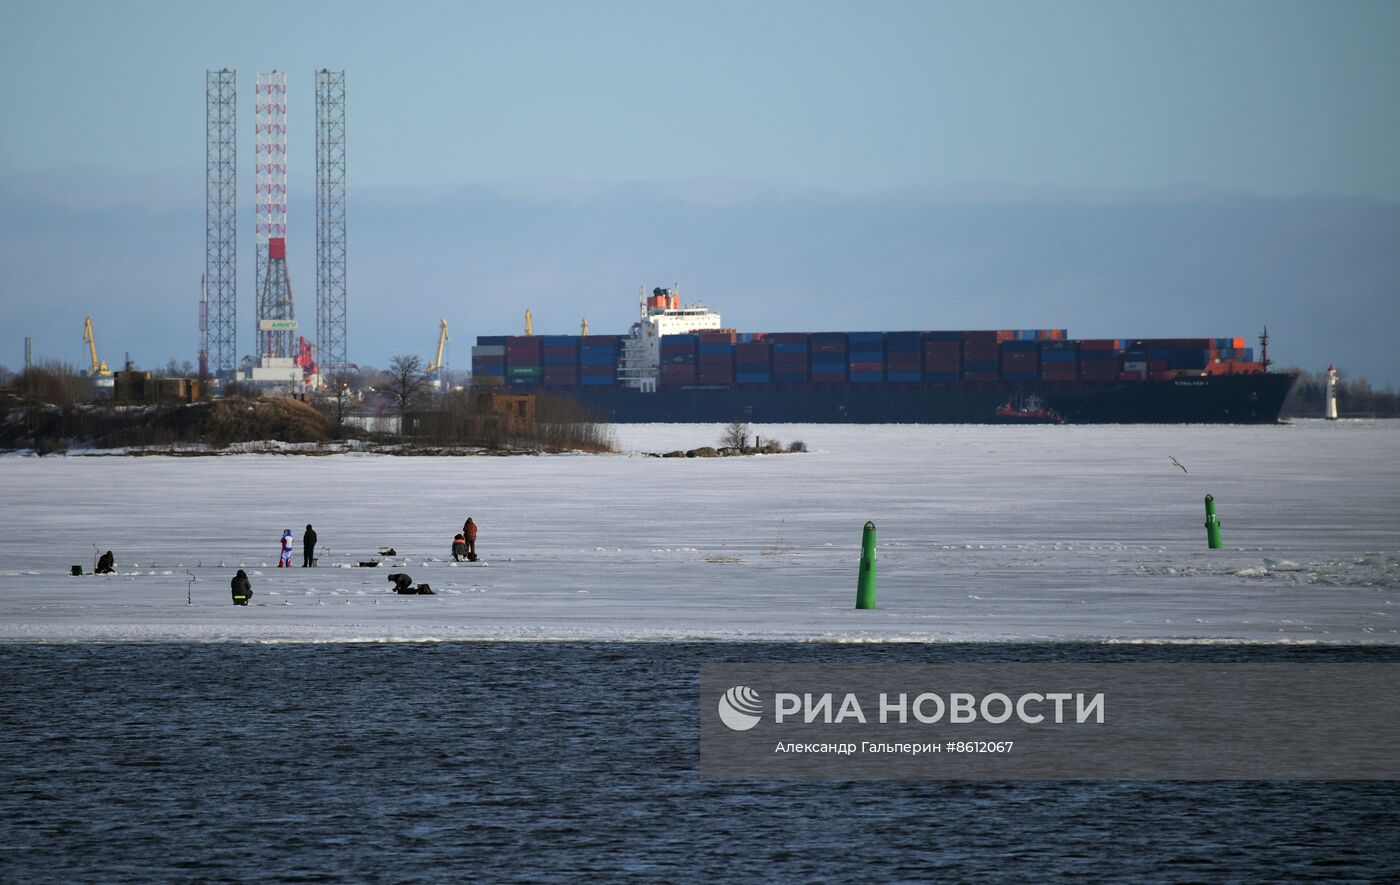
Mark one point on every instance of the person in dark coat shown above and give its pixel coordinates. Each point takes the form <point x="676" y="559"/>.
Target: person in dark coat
<point x="106" y="564"/>
<point x="459" y="547"/>
<point x="308" y="546"/>
<point x="402" y="583"/>
<point x="469" y="532"/>
<point x="242" y="588"/>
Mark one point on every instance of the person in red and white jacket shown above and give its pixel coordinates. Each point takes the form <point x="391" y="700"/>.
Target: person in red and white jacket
<point x="286" y="560"/>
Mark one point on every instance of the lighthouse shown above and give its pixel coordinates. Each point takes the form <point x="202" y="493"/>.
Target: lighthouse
<point x="1331" y="401"/>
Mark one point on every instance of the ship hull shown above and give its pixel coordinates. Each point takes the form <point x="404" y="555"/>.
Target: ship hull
<point x="1255" y="398"/>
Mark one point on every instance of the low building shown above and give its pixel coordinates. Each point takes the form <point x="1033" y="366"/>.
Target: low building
<point x="130" y="386"/>
<point x="490" y="419"/>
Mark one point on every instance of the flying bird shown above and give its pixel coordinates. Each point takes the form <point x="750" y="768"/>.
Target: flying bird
<point x="1178" y="463"/>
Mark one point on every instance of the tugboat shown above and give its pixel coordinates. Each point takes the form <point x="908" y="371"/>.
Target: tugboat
<point x="1028" y="411"/>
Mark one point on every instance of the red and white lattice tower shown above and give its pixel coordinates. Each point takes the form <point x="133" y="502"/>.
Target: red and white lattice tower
<point x="276" y="319"/>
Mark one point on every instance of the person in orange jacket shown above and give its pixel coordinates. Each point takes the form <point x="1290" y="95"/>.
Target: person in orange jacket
<point x="469" y="532"/>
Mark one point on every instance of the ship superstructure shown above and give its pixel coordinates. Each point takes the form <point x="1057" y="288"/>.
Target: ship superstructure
<point x="639" y="362"/>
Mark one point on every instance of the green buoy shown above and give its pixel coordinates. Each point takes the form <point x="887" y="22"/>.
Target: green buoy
<point x="1212" y="524"/>
<point x="865" y="586"/>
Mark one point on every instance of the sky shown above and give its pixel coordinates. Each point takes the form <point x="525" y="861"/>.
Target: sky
<point x="785" y="162"/>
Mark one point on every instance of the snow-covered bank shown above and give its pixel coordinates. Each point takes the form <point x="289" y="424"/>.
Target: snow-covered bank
<point x="988" y="533"/>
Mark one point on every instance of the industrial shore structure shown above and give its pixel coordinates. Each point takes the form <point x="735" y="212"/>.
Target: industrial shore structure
<point x="283" y="358"/>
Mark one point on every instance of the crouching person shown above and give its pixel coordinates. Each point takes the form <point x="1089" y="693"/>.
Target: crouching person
<point x="106" y="564"/>
<point x="459" y="547"/>
<point x="404" y="584"/>
<point x="242" y="588"/>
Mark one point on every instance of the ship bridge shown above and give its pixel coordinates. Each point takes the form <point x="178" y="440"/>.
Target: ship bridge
<point x="661" y="315"/>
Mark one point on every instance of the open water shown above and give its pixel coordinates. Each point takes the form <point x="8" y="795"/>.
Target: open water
<point x="448" y="761"/>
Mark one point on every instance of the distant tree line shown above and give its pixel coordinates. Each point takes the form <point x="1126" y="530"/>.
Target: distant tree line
<point x="1355" y="397"/>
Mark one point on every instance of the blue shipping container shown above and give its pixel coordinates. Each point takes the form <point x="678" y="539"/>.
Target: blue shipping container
<point x="833" y="368"/>
<point x="867" y="376"/>
<point x="752" y="377"/>
<point x="904" y="376"/>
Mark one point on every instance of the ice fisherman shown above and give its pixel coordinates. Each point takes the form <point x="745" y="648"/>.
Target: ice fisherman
<point x="404" y="584"/>
<point x="286" y="560"/>
<point x="469" y="533"/>
<point x="242" y="588"/>
<point x="106" y="564"/>
<point x="459" y="547"/>
<point x="308" y="546"/>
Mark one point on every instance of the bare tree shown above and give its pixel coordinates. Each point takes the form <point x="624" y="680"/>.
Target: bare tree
<point x="406" y="383"/>
<point x="175" y="369"/>
<point x="338" y="400"/>
<point x="736" y="436"/>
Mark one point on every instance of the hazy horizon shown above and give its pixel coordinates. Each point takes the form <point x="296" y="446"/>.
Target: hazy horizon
<point x="1117" y="169"/>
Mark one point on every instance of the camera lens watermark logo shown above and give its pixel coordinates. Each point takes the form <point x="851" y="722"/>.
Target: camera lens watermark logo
<point x="740" y="708"/>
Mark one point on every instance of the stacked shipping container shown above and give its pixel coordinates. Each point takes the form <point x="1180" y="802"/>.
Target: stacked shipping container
<point x="828" y="357"/>
<point x="678" y="359"/>
<point x="716" y="363"/>
<point x="980" y="355"/>
<point x="725" y="358"/>
<point x="866" y="357"/>
<point x="1020" y="359"/>
<point x="943" y="356"/>
<point x="753" y="361"/>
<point x="597" y="360"/>
<point x="523" y="353"/>
<point x="789" y="357"/>
<point x="559" y="356"/>
<point x="489" y="360"/>
<point x="1059" y="360"/>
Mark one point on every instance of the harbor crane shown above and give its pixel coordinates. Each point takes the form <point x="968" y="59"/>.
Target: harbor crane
<point x="99" y="372"/>
<point x="436" y="365"/>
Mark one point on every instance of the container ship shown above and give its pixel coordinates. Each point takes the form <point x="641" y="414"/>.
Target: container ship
<point x="678" y="363"/>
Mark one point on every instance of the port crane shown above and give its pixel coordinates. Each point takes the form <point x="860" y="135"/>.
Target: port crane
<point x="100" y="374"/>
<point x="436" y="365"/>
